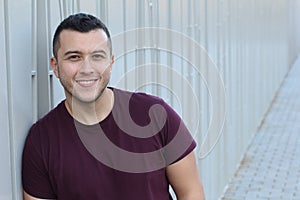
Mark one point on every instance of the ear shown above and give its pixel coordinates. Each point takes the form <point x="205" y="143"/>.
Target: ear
<point x="54" y="65"/>
<point x="112" y="62"/>
<point x="112" y="59"/>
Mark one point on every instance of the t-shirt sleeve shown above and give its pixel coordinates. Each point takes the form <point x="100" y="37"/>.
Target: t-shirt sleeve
<point x="35" y="177"/>
<point x="179" y="139"/>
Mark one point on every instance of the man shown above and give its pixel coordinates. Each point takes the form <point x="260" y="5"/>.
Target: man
<point x="102" y="142"/>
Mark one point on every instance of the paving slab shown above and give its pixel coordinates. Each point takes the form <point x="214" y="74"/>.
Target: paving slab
<point x="270" y="168"/>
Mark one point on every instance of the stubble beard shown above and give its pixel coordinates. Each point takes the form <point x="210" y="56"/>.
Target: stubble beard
<point x="96" y="95"/>
<point x="74" y="96"/>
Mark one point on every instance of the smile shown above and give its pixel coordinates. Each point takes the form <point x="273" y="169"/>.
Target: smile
<point x="86" y="83"/>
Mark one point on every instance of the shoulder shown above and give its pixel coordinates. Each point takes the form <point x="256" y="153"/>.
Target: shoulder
<point x="138" y="100"/>
<point x="48" y="122"/>
<point x="143" y="106"/>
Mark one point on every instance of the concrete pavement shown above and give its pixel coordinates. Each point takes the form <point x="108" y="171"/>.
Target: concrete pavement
<point x="270" y="168"/>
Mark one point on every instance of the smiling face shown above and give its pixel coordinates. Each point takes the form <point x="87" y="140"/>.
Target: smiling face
<point x="83" y="64"/>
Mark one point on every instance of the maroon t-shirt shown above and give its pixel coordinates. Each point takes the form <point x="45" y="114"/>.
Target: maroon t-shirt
<point x="123" y="157"/>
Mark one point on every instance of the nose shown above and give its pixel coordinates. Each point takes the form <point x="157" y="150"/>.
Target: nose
<point x="86" y="67"/>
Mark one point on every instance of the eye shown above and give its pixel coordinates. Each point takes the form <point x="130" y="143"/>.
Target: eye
<point x="98" y="56"/>
<point x="74" y="58"/>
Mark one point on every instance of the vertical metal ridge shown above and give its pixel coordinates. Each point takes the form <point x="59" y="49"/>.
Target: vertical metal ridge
<point x="34" y="62"/>
<point x="9" y="98"/>
<point x="125" y="41"/>
<point x="49" y="53"/>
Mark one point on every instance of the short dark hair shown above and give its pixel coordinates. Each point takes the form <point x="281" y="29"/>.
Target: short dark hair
<point x="80" y="22"/>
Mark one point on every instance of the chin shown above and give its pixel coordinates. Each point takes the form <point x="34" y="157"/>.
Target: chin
<point x="88" y="99"/>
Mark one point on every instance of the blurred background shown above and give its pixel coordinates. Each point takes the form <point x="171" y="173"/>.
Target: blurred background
<point x="226" y="60"/>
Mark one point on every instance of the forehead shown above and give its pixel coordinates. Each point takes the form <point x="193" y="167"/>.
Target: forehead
<point x="74" y="40"/>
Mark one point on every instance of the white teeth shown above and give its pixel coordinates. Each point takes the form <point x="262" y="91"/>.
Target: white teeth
<point x="86" y="82"/>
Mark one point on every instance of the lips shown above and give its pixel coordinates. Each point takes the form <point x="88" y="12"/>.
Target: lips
<point x="87" y="83"/>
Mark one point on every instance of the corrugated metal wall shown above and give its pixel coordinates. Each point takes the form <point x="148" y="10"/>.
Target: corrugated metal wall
<point x="207" y="58"/>
<point x="16" y="104"/>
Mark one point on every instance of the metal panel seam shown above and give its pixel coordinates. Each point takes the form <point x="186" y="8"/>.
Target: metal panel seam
<point x="9" y="96"/>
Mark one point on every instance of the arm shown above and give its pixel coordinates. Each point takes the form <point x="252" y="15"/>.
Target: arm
<point x="35" y="177"/>
<point x="184" y="179"/>
<point x="28" y="197"/>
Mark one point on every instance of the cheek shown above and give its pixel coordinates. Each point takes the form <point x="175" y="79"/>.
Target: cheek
<point x="108" y="69"/>
<point x="107" y="72"/>
<point x="67" y="71"/>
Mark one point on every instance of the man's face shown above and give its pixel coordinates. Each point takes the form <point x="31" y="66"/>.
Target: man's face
<point x="83" y="64"/>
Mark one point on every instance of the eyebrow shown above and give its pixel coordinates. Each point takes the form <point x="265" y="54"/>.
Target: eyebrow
<point x="99" y="51"/>
<point x="79" y="52"/>
<point x="71" y="52"/>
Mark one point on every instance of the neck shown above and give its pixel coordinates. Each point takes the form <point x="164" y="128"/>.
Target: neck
<point x="92" y="112"/>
